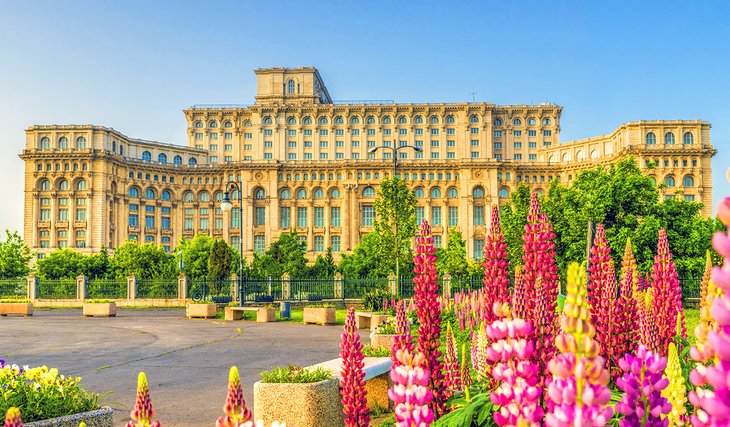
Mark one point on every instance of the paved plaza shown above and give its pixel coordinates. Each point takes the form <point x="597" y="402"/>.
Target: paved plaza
<point x="186" y="360"/>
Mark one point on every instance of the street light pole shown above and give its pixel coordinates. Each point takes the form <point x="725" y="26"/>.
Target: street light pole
<point x="395" y="220"/>
<point x="227" y="206"/>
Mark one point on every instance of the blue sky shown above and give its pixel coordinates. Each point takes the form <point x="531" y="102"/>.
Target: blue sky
<point x="134" y="65"/>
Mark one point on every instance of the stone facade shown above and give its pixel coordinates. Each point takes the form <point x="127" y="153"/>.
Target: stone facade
<point x="304" y="162"/>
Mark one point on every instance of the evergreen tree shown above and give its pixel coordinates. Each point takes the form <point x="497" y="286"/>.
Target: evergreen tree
<point x="219" y="261"/>
<point x="395" y="223"/>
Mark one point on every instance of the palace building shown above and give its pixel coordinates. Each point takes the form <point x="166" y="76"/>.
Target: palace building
<point x="306" y="162"/>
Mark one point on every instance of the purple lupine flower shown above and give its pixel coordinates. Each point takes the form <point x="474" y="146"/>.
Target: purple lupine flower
<point x="642" y="403"/>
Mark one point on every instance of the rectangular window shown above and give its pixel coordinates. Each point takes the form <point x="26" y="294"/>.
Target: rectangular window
<point x="436" y="215"/>
<point x="285" y="218"/>
<point x="323" y="132"/>
<point x="434" y="131"/>
<point x="268" y="144"/>
<point x="248" y="135"/>
<point x="437" y="241"/>
<point x="516" y="133"/>
<point x="319" y="217"/>
<point x="149" y="221"/>
<point x="474" y="131"/>
<point x="497" y="133"/>
<point x="247" y="147"/>
<point x="419" y="131"/>
<point x="450" y="131"/>
<point x="335" y="245"/>
<point x="450" y="155"/>
<point x="213" y="159"/>
<point x="307" y="144"/>
<point x="355" y="132"/>
<point x="420" y="215"/>
<point x="63" y="214"/>
<point x="434" y="155"/>
<point x="689" y="197"/>
<point x="292" y="144"/>
<point x="214" y="135"/>
<point x="228" y="147"/>
<point x="518" y="145"/>
<point x="547" y="132"/>
<point x="478" y="215"/>
<point x="474" y="154"/>
<point x="302" y="241"/>
<point x="355" y="155"/>
<point x="307" y="156"/>
<point x="218" y="223"/>
<point x="371" y="131"/>
<point x="203" y="224"/>
<point x="80" y="214"/>
<point x="228" y="135"/>
<point x="453" y="216"/>
<point x="230" y="158"/>
<point x="165" y="222"/>
<point x="434" y="143"/>
<point x="518" y="156"/>
<point x="308" y="132"/>
<point x="478" y="249"/>
<point x="323" y="144"/>
<point x="214" y="147"/>
<point x="323" y="156"/>
<point x="198" y="135"/>
<point x="260" y="215"/>
<point x="355" y="143"/>
<point x="301" y="217"/>
<point x="292" y="132"/>
<point x="532" y="144"/>
<point x="387" y="131"/>
<point x="368" y="215"/>
<point x="532" y="156"/>
<point x="259" y="243"/>
<point x="531" y="133"/>
<point x="291" y="156"/>
<point x="318" y="243"/>
<point x="339" y="143"/>
<point x="267" y="156"/>
<point x="497" y="145"/>
<point x="268" y="132"/>
<point x="133" y="220"/>
<point x="402" y="131"/>
<point x="335" y="216"/>
<point x="188" y="223"/>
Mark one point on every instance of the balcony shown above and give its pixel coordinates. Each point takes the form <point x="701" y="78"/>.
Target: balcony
<point x="61" y="224"/>
<point x="79" y="224"/>
<point x="188" y="232"/>
<point x="44" y="224"/>
<point x="133" y="229"/>
<point x="167" y="231"/>
<point x="150" y="230"/>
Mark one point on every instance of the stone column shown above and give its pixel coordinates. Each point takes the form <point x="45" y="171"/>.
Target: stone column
<point x="345" y="222"/>
<point x="446" y="290"/>
<point x="32" y="286"/>
<point x="81" y="287"/>
<point x="393" y="284"/>
<point x="131" y="287"/>
<point x="182" y="287"/>
<point x="339" y="286"/>
<point x="285" y="286"/>
<point x="235" y="290"/>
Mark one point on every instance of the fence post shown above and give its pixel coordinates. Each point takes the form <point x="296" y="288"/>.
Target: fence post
<point x="234" y="286"/>
<point x="285" y="287"/>
<point x="131" y="287"/>
<point x="446" y="291"/>
<point x="32" y="286"/>
<point x="182" y="287"/>
<point x="393" y="284"/>
<point x="339" y="286"/>
<point x="81" y="287"/>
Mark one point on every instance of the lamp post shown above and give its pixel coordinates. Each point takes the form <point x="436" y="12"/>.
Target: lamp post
<point x="395" y="220"/>
<point x="227" y="206"/>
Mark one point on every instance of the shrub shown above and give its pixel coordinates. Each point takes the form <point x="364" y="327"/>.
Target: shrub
<point x="295" y="374"/>
<point x="369" y="351"/>
<point x="18" y="299"/>
<point x="373" y="300"/>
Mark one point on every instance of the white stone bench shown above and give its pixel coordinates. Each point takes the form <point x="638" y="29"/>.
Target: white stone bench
<point x="263" y="314"/>
<point x="377" y="377"/>
<point x="368" y="319"/>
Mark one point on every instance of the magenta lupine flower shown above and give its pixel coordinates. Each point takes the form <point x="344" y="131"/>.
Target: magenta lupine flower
<point x="402" y="339"/>
<point x="479" y="345"/>
<point x="667" y="295"/>
<point x="544" y="330"/>
<point x="519" y="297"/>
<point x="518" y="393"/>
<point x="410" y="391"/>
<point x="12" y="418"/>
<point x="496" y="267"/>
<point x="538" y="259"/>
<point x="648" y="327"/>
<point x="712" y="395"/>
<point x="426" y="297"/>
<point x="452" y="371"/>
<point x="642" y="403"/>
<point x="352" y="376"/>
<point x="143" y="412"/>
<point x="464" y="370"/>
<point x="624" y="312"/>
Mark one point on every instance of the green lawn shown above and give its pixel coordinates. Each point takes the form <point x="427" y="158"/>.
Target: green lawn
<point x="692" y="318"/>
<point x="297" y="316"/>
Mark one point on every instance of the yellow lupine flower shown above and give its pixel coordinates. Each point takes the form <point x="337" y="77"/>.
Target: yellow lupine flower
<point x="676" y="391"/>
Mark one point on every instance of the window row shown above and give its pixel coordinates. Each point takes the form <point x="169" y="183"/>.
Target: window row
<point x="687" y="181"/>
<point x="162" y="159"/>
<point x="62" y="185"/>
<point x="213" y="124"/>
<point x="62" y="209"/>
<point x="62" y="239"/>
<point x="687" y="138"/>
<point x="62" y="142"/>
<point x="259" y="243"/>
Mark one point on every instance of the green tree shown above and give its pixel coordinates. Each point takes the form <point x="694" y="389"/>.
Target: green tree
<point x="395" y="222"/>
<point x="324" y="267"/>
<point x="14" y="256"/>
<point x="98" y="265"/>
<point x="61" y="264"/>
<point x="286" y="255"/>
<point x="147" y="261"/>
<point x="220" y="261"/>
<point x="195" y="255"/>
<point x="452" y="258"/>
<point x="368" y="261"/>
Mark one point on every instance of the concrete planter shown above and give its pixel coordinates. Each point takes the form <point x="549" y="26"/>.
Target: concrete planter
<point x="231" y="314"/>
<point x="99" y="418"/>
<point x="381" y="340"/>
<point x="321" y="316"/>
<point x="206" y="311"/>
<point x="22" y="308"/>
<point x="264" y="315"/>
<point x="302" y="405"/>
<point x="100" y="309"/>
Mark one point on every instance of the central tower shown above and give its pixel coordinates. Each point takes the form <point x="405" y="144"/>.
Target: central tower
<point x="290" y="86"/>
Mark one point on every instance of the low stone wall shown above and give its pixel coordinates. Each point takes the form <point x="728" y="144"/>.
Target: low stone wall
<point x="99" y="418"/>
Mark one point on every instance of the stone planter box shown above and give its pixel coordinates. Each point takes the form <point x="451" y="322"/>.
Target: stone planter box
<point x="321" y="316"/>
<point x="100" y="309"/>
<point x="377" y="378"/>
<point x="231" y="314"/>
<point x="98" y="418"/>
<point x="22" y="308"/>
<point x="302" y="405"/>
<point x="381" y="340"/>
<point x="264" y="315"/>
<point x="206" y="311"/>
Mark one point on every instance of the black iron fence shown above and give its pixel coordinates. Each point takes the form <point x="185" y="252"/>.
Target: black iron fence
<point x="13" y="288"/>
<point x="157" y="288"/>
<point x="106" y="289"/>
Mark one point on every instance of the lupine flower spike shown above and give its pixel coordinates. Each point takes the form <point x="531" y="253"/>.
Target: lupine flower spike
<point x="667" y="295"/>
<point x="12" y="418"/>
<point x="709" y="293"/>
<point x="602" y="293"/>
<point x="578" y="394"/>
<point x="143" y="412"/>
<point x="539" y="257"/>
<point x="624" y="313"/>
<point x="465" y="372"/>
<point x="496" y="276"/>
<point x="452" y="374"/>
<point x="403" y="339"/>
<point x="676" y="392"/>
<point x="235" y="408"/>
<point x="642" y="403"/>
<point x="410" y="391"/>
<point x="352" y="383"/>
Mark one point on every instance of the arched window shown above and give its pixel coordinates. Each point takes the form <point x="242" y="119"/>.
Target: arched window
<point x="452" y="193"/>
<point x="497" y="122"/>
<point x="198" y="124"/>
<point x="166" y="195"/>
<point x="688" y="138"/>
<point x="653" y="179"/>
<point x="146" y="156"/>
<point x="218" y="196"/>
<point x="45" y="185"/>
<point x="503" y="193"/>
<point x="307" y="121"/>
<point x="63" y="185"/>
<point x="228" y="124"/>
<point x="162" y="158"/>
<point x="419" y="192"/>
<point x="335" y="193"/>
<point x="478" y="192"/>
<point x="149" y="194"/>
<point x="434" y="120"/>
<point x="188" y="196"/>
<point x="517" y="122"/>
<point x="650" y="138"/>
<point x="688" y="181"/>
<point x="213" y="124"/>
<point x="81" y="142"/>
<point x="402" y="120"/>
<point x="318" y="194"/>
<point x="133" y="192"/>
<point x="290" y="86"/>
<point x="301" y="194"/>
<point x="450" y="119"/>
<point x="81" y="185"/>
<point x="371" y="120"/>
<point x="436" y="193"/>
<point x="285" y="194"/>
<point x="418" y="120"/>
<point x="204" y="196"/>
<point x="669" y="138"/>
<point x="192" y="161"/>
<point x="247" y="124"/>
<point x="234" y="195"/>
<point x="339" y="120"/>
<point x="267" y="120"/>
<point x="531" y="121"/>
<point x="386" y="120"/>
<point x="594" y="154"/>
<point x="45" y="143"/>
<point x="580" y="155"/>
<point x="474" y="118"/>
<point x="62" y="142"/>
<point x="539" y="191"/>
<point x="566" y="157"/>
<point x="259" y="194"/>
<point x="669" y="180"/>
<point x="368" y="192"/>
<point x="177" y="160"/>
<point x="355" y="120"/>
<point x="323" y="120"/>
<point x="551" y="159"/>
<point x="546" y="121"/>
<point x="291" y="121"/>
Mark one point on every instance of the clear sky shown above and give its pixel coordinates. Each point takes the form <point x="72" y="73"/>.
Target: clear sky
<point x="134" y="65"/>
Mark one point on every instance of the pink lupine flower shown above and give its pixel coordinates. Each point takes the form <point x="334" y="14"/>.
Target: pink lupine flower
<point x="538" y="259"/>
<point x="12" y="418"/>
<point x="143" y="412"/>
<point x="642" y="403"/>
<point x="452" y="371"/>
<point x="519" y="297"/>
<point x="624" y="313"/>
<point x="352" y="376"/>
<point x="402" y="339"/>
<point x="667" y="295"/>
<point x="410" y="391"/>
<point x="648" y="327"/>
<point x="544" y="329"/>
<point x="496" y="267"/>
<point x="602" y="293"/>
<point x="235" y="408"/>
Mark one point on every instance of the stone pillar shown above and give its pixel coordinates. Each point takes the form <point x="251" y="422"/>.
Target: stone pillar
<point x="339" y="286"/>
<point x="32" y="286"/>
<point x="446" y="290"/>
<point x="182" y="287"/>
<point x="81" y="287"/>
<point x="132" y="287"/>
<point x="285" y="287"/>
<point x="393" y="284"/>
<point x="235" y="290"/>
